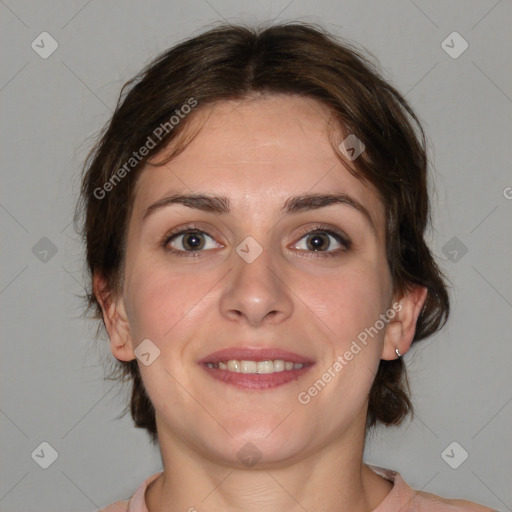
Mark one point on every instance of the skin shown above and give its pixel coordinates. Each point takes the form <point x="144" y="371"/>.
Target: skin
<point x="258" y="153"/>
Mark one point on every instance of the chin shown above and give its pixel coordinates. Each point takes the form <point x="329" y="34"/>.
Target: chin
<point x="261" y="447"/>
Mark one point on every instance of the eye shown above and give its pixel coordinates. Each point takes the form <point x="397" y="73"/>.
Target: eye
<point x="322" y="240"/>
<point x="190" y="241"/>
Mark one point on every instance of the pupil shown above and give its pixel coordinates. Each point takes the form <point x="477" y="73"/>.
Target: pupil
<point x="317" y="242"/>
<point x="193" y="241"/>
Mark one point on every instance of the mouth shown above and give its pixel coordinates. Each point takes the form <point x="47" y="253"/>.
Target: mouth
<point x="255" y="369"/>
<point x="247" y="366"/>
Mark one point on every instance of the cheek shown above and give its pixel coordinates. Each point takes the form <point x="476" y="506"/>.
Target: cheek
<point x="157" y="301"/>
<point x="350" y="306"/>
<point x="348" y="302"/>
<point x="160" y="303"/>
<point x="170" y="306"/>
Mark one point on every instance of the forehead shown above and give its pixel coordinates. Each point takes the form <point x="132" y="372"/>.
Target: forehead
<point x="258" y="152"/>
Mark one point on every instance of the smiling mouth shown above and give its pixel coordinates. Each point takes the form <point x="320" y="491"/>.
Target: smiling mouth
<point x="256" y="368"/>
<point x="256" y="375"/>
<point x="251" y="367"/>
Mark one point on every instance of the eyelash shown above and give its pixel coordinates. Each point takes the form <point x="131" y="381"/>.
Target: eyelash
<point x="320" y="229"/>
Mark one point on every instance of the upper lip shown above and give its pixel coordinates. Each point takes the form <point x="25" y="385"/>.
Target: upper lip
<point x="255" y="354"/>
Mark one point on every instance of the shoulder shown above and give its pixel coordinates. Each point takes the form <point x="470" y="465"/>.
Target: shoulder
<point x="403" y="497"/>
<point x="455" y="505"/>
<point x="137" y="503"/>
<point x="118" y="506"/>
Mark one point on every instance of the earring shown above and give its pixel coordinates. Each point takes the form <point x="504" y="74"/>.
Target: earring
<point x="398" y="353"/>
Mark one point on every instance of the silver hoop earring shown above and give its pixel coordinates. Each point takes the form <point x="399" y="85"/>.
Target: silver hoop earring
<point x="398" y="353"/>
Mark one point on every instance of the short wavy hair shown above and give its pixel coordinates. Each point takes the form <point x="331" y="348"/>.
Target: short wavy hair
<point x="235" y="62"/>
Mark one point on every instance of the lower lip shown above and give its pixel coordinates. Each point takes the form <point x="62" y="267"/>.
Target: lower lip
<point x="256" y="381"/>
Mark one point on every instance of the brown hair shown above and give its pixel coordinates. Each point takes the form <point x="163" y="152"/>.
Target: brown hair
<point x="233" y="62"/>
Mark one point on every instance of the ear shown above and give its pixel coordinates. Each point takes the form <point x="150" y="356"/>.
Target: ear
<point x="400" y="330"/>
<point x="115" y="318"/>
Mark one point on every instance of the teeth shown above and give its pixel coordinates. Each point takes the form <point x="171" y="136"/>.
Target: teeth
<point x="233" y="366"/>
<point x="278" y="365"/>
<point x="265" y="367"/>
<point x="248" y="367"/>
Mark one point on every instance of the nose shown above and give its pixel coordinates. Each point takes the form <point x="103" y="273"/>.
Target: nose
<point x="256" y="293"/>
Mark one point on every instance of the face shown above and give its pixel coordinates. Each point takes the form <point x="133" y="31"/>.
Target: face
<point x="282" y="258"/>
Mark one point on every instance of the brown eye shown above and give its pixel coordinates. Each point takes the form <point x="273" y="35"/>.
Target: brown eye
<point x="322" y="241"/>
<point x="191" y="241"/>
<point x="318" y="242"/>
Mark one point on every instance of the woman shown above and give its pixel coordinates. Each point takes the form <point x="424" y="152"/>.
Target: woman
<point x="254" y="217"/>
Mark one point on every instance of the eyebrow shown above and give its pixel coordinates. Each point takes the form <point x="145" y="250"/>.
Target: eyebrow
<point x="296" y="204"/>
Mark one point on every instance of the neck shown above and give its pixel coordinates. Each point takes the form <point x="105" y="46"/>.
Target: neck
<point x="333" y="478"/>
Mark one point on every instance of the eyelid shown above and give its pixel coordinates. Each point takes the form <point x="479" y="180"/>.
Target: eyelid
<point x="187" y="228"/>
<point x="339" y="235"/>
<point x="325" y="228"/>
<point x="181" y="231"/>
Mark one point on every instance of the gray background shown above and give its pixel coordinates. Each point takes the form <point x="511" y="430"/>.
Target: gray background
<point x="52" y="387"/>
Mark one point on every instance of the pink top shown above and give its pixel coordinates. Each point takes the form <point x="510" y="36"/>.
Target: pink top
<point x="400" y="499"/>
